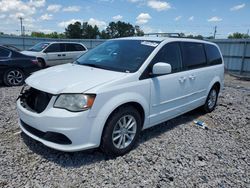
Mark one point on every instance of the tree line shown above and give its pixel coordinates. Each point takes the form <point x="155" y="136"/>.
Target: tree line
<point x="84" y="30"/>
<point x="117" y="29"/>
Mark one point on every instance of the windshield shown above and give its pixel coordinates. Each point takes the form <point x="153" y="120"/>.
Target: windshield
<point x="118" y="55"/>
<point x="39" y="47"/>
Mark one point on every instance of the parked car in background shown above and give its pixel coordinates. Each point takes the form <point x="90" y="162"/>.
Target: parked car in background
<point x="15" y="67"/>
<point x="56" y="53"/>
<point x="117" y="89"/>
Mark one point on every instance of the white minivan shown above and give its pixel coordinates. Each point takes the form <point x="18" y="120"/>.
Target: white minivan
<point x="56" y="53"/>
<point x="108" y="95"/>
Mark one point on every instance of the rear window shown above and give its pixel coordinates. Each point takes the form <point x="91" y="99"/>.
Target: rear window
<point x="74" y="47"/>
<point x="213" y="55"/>
<point x="193" y="55"/>
<point x="79" y="47"/>
<point x="4" y="53"/>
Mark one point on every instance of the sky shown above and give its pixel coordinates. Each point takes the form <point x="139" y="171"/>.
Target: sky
<point x="187" y="16"/>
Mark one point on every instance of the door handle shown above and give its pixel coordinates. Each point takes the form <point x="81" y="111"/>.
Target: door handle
<point x="182" y="79"/>
<point x="59" y="55"/>
<point x="191" y="77"/>
<point x="63" y="54"/>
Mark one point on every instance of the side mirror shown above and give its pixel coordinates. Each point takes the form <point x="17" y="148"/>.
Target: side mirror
<point x="161" y="68"/>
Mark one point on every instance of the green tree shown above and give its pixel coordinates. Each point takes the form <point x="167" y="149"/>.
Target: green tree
<point x="238" y="35"/>
<point x="74" y="30"/>
<point x="49" y="35"/>
<point x="53" y="35"/>
<point x="37" y="34"/>
<point x="89" y="32"/>
<point x="138" y="31"/>
<point x="195" y="37"/>
<point x="210" y="37"/>
<point x="182" y="34"/>
<point x="120" y="29"/>
<point x="104" y="35"/>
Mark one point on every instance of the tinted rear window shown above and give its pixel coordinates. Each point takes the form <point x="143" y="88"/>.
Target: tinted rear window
<point x="74" y="47"/>
<point x="4" y="53"/>
<point x="193" y="55"/>
<point x="213" y="55"/>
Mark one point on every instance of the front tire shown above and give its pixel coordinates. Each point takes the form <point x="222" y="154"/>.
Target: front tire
<point x="41" y="63"/>
<point x="211" y="101"/>
<point x="121" y="131"/>
<point x="14" y="77"/>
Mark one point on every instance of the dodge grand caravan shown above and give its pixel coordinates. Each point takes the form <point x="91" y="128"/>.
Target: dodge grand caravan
<point x="108" y="95"/>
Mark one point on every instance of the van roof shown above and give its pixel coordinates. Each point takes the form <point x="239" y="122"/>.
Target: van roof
<point x="50" y="42"/>
<point x="160" y="39"/>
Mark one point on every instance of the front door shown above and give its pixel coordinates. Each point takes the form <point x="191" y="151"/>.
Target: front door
<point x="54" y="54"/>
<point x="168" y="92"/>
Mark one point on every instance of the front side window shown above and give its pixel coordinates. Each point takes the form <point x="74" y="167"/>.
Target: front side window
<point x="53" y="48"/>
<point x="213" y="55"/>
<point x="170" y="54"/>
<point x="193" y="55"/>
<point x="4" y="53"/>
<point x="119" y="55"/>
<point x="39" y="47"/>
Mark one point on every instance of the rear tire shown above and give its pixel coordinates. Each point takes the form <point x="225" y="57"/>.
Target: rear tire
<point x="211" y="101"/>
<point x="14" y="77"/>
<point x="121" y="131"/>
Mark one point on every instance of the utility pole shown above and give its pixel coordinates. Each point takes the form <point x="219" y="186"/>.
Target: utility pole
<point x="22" y="34"/>
<point x="21" y="21"/>
<point x="215" y="31"/>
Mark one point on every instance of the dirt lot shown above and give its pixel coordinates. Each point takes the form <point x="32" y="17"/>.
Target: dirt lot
<point x="174" y="154"/>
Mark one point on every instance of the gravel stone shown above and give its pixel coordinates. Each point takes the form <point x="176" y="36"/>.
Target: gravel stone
<point x="174" y="154"/>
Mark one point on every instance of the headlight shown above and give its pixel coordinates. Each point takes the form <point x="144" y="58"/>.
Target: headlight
<point x="74" y="102"/>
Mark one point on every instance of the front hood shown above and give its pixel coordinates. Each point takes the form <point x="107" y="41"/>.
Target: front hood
<point x="29" y="53"/>
<point x="70" y="78"/>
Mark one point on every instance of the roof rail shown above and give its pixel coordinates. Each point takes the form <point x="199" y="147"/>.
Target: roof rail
<point x="163" y="34"/>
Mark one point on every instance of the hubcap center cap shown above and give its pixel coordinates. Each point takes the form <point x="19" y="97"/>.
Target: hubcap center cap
<point x="124" y="131"/>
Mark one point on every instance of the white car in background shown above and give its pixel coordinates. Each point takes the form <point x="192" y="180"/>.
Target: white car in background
<point x="111" y="93"/>
<point x="56" y="53"/>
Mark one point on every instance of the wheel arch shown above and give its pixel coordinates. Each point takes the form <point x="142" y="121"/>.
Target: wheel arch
<point x="103" y="111"/>
<point x="135" y="105"/>
<point x="43" y="60"/>
<point x="216" y="82"/>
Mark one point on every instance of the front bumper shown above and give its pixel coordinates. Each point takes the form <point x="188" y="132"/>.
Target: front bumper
<point x="77" y="127"/>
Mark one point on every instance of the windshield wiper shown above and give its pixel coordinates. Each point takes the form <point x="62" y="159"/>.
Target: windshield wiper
<point x="93" y="65"/>
<point x="97" y="66"/>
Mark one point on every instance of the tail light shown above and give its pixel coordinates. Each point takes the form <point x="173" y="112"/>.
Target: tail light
<point x="34" y="61"/>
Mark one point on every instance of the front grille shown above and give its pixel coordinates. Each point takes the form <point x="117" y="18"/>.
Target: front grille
<point x="54" y="137"/>
<point x="35" y="100"/>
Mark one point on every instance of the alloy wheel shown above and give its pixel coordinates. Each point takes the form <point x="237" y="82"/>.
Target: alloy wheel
<point x="124" y="131"/>
<point x="212" y="99"/>
<point x="15" y="77"/>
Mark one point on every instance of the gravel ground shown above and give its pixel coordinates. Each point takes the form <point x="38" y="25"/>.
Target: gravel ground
<point x="174" y="154"/>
